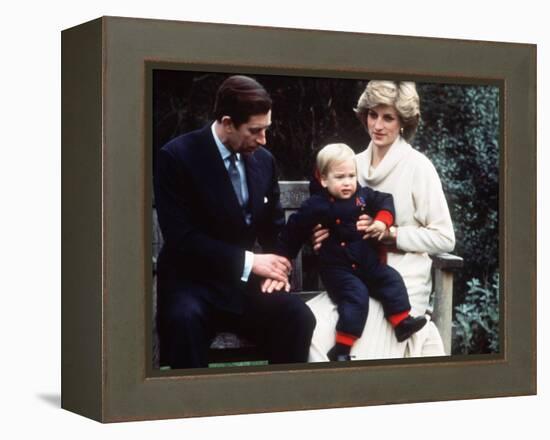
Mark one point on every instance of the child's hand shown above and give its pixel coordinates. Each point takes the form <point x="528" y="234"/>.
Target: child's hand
<point x="363" y="222"/>
<point x="376" y="230"/>
<point x="269" y="285"/>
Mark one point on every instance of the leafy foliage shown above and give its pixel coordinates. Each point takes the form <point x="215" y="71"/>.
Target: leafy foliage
<point x="476" y="328"/>
<point x="460" y="135"/>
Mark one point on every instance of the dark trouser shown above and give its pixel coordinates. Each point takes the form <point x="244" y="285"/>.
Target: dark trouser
<point x="280" y="323"/>
<point x="350" y="289"/>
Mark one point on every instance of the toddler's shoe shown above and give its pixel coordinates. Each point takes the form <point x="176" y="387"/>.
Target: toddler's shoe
<point x="339" y="353"/>
<point x="409" y="326"/>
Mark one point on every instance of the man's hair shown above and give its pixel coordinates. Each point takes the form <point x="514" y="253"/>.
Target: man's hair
<point x="241" y="97"/>
<point x="333" y="154"/>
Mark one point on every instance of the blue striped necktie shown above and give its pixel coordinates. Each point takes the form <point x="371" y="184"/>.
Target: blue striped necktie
<point x="235" y="177"/>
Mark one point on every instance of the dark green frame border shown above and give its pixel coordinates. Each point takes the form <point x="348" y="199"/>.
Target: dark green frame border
<point x="106" y="275"/>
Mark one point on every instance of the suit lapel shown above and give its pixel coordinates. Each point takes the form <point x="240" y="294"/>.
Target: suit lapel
<point x="253" y="179"/>
<point x="217" y="181"/>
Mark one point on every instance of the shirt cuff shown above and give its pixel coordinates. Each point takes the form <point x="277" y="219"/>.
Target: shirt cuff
<point x="248" y="262"/>
<point x="385" y="217"/>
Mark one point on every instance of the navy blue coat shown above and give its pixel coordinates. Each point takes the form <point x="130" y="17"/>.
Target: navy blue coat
<point x="340" y="216"/>
<point x="203" y="226"/>
<point x="349" y="265"/>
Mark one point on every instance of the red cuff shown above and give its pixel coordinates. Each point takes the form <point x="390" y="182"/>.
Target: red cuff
<point x="385" y="217"/>
<point x="345" y="338"/>
<point x="396" y="318"/>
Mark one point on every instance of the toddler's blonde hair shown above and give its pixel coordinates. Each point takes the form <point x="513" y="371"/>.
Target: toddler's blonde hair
<point x="332" y="154"/>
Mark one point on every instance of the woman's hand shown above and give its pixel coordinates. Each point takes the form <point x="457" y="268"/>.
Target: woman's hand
<point x="319" y="235"/>
<point x="377" y="229"/>
<point x="269" y="285"/>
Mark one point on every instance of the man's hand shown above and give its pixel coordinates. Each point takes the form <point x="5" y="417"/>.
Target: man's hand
<point x="319" y="235"/>
<point x="269" y="286"/>
<point x="271" y="266"/>
<point x="376" y="230"/>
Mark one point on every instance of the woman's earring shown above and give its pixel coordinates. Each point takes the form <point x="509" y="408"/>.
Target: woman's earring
<point x="401" y="131"/>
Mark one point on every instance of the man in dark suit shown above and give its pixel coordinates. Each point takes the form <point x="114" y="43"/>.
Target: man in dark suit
<point x="217" y="193"/>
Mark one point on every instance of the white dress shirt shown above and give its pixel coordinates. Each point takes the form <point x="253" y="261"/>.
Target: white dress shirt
<point x="225" y="153"/>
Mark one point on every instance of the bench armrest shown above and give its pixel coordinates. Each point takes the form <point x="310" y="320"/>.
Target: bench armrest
<point x="443" y="267"/>
<point x="447" y="261"/>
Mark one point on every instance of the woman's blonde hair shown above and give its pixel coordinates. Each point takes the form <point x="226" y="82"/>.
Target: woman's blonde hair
<point x="332" y="154"/>
<point x="401" y="95"/>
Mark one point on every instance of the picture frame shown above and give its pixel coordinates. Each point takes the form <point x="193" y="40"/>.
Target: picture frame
<point x="106" y="234"/>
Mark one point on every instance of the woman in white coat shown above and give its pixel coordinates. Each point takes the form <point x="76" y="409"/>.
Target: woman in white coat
<point x="390" y="111"/>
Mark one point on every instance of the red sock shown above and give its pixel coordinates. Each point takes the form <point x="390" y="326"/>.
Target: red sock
<point x="397" y="318"/>
<point x="345" y="338"/>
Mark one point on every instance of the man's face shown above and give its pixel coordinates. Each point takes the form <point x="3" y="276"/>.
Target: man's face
<point x="249" y="136"/>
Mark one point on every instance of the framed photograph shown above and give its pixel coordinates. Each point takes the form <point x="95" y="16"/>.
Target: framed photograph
<point x="130" y="86"/>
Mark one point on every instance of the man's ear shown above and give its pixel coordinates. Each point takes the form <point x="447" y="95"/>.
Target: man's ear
<point x="227" y="123"/>
<point x="323" y="180"/>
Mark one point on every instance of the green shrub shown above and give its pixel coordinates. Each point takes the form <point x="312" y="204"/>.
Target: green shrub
<point x="476" y="325"/>
<point x="460" y="134"/>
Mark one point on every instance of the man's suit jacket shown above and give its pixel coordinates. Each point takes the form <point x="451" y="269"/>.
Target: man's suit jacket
<point x="205" y="233"/>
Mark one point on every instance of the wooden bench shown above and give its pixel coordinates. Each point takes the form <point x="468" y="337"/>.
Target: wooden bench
<point x="228" y="347"/>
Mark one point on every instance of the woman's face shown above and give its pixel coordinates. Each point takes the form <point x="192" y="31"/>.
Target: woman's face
<point x="383" y="125"/>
